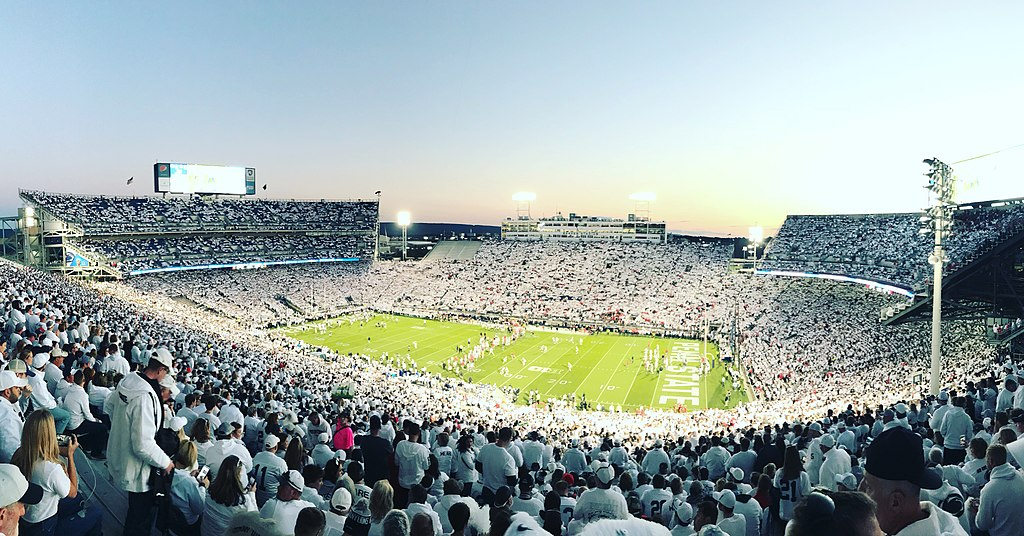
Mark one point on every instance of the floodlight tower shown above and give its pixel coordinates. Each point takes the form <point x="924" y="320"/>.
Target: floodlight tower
<point x="376" y="231"/>
<point x="642" y="204"/>
<point x="938" y="219"/>
<point x="523" y="200"/>
<point x="755" y="235"/>
<point x="404" y="219"/>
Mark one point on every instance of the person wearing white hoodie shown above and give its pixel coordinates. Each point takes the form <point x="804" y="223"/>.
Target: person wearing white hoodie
<point x="1000" y="511"/>
<point x="452" y="495"/>
<point x="418" y="505"/>
<point x="136" y="413"/>
<point x="957" y="429"/>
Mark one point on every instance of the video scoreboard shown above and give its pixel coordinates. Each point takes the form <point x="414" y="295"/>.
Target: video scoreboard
<point x="203" y="179"/>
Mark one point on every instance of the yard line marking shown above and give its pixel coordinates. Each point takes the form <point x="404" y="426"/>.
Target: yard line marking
<point x="593" y="368"/>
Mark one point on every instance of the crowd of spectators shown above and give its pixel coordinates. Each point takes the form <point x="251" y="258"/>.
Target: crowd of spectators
<point x="198" y="250"/>
<point x="803" y="343"/>
<point x="270" y="297"/>
<point x="836" y="404"/>
<point x="886" y="247"/>
<point x="145" y="233"/>
<point x="112" y="215"/>
<point x="412" y="453"/>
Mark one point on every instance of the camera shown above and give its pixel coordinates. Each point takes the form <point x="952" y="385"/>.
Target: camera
<point x="63" y="440"/>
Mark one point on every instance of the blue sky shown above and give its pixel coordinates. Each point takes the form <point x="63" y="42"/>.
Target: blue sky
<point x="735" y="113"/>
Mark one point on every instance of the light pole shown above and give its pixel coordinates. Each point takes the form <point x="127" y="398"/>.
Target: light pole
<point x="404" y="218"/>
<point x="376" y="231"/>
<point x="755" y="235"/>
<point x="939" y="221"/>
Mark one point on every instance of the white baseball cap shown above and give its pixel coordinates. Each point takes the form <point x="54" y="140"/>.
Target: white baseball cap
<point x="828" y="440"/>
<point x="9" y="379"/>
<point x="169" y="384"/>
<point x="683" y="511"/>
<point x="293" y="478"/>
<point x="848" y="480"/>
<point x="40" y="360"/>
<point x="727" y="499"/>
<point x="163" y="356"/>
<point x="605" y="474"/>
<point x="341" y="500"/>
<point x="176" y="423"/>
<point x="15" y="488"/>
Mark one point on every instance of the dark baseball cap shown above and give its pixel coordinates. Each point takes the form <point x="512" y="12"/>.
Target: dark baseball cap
<point x="502" y="496"/>
<point x="898" y="454"/>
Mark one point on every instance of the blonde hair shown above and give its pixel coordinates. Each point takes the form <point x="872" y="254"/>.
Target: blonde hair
<point x="201" y="431"/>
<point x="382" y="500"/>
<point x="187" y="454"/>
<point x="38" y="443"/>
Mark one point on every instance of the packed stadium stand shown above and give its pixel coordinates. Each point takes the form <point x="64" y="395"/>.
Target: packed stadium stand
<point x="886" y="247"/>
<point x="837" y="403"/>
<point x="144" y="234"/>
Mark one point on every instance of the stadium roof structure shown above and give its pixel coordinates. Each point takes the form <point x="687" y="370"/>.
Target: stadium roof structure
<point x="989" y="285"/>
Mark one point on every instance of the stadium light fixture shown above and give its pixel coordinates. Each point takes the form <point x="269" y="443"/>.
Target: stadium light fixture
<point x="941" y="182"/>
<point x="756" y="234"/>
<point x="524" y="196"/>
<point x="643" y="196"/>
<point x="523" y="201"/>
<point x="404" y="219"/>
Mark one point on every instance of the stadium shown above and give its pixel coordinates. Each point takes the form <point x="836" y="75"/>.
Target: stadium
<point x="469" y="270"/>
<point x="575" y="335"/>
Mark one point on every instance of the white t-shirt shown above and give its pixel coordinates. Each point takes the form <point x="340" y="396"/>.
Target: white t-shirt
<point x="497" y="465"/>
<point x="657" y="505"/>
<point x="268" y="468"/>
<point x="790" y="492"/>
<point x="284" y="513"/>
<point x="335" y="524"/>
<point x="595" y="504"/>
<point x="444" y="459"/>
<point x="56" y="485"/>
<point x="464" y="466"/>
<point x="734" y="526"/>
<point x="566" y="505"/>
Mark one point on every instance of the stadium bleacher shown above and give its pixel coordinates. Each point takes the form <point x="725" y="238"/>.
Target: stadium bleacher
<point x="884" y="247"/>
<point x="143" y="234"/>
<point x="105" y="215"/>
<point x="826" y="375"/>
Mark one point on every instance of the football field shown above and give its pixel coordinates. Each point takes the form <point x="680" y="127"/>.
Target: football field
<point x="608" y="369"/>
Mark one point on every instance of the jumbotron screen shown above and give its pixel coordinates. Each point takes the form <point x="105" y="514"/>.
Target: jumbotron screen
<point x="203" y="179"/>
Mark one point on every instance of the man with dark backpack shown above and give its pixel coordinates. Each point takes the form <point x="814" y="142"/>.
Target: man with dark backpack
<point x="136" y="461"/>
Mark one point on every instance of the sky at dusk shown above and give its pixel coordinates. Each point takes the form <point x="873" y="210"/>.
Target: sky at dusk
<point x="734" y="113"/>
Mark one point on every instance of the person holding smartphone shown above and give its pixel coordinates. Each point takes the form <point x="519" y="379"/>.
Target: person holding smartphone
<point x="230" y="493"/>
<point x="188" y="491"/>
<point x="51" y="466"/>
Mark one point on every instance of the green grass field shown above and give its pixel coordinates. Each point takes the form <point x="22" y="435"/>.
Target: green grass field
<point x="607" y="368"/>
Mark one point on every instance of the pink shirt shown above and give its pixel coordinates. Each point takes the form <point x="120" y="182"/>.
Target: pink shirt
<point x="343" y="438"/>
